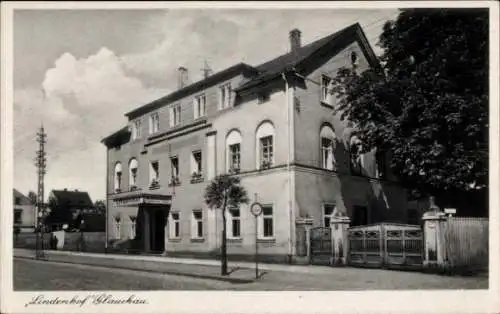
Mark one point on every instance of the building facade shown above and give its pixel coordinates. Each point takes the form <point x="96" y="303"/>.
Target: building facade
<point x="24" y="213"/>
<point x="274" y="126"/>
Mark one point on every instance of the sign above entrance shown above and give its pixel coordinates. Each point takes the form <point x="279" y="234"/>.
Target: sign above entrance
<point x="137" y="198"/>
<point x="256" y="209"/>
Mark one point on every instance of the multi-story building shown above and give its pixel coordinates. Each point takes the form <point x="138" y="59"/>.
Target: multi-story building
<point x="274" y="126"/>
<point x="24" y="213"/>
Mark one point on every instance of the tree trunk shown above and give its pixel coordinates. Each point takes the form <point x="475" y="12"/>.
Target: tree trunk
<point x="224" y="247"/>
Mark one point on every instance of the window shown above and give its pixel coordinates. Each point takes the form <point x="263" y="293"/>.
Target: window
<point x="154" y="173"/>
<point x="18" y="216"/>
<point x="117" y="227"/>
<point x="234" y="157"/>
<point x="197" y="224"/>
<point x="266" y="151"/>
<point x="266" y="225"/>
<point x="327" y="148"/>
<point x="359" y="215"/>
<point x="175" y="115"/>
<point x="154" y="123"/>
<point x="17" y="201"/>
<point x="381" y="164"/>
<point x="196" y="162"/>
<point x="225" y="96"/>
<point x="174" y="161"/>
<point x="265" y="142"/>
<point x="355" y="156"/>
<point x="234" y="223"/>
<point x="132" y="226"/>
<point x="233" y="149"/>
<point x="118" y="177"/>
<point x="175" y="226"/>
<point x="328" y="210"/>
<point x="199" y="106"/>
<point x="133" y="173"/>
<point x="136" y="129"/>
<point x="325" y="89"/>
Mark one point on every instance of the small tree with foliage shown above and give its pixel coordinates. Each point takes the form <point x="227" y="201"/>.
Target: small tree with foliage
<point x="224" y="191"/>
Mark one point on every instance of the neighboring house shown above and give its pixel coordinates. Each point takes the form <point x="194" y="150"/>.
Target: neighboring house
<point x="24" y="213"/>
<point x="71" y="207"/>
<point x="274" y="126"/>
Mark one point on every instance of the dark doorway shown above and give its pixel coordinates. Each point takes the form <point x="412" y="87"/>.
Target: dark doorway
<point x="158" y="221"/>
<point x="359" y="216"/>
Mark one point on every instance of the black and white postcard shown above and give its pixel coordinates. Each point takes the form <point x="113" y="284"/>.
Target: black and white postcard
<point x="233" y="157"/>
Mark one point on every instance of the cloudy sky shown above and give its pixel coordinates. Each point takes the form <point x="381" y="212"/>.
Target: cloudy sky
<point x="79" y="71"/>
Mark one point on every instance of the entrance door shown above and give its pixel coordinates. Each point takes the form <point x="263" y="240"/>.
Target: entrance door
<point x="157" y="231"/>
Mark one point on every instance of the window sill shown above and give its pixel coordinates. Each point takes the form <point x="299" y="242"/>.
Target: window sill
<point x="262" y="168"/>
<point x="326" y="104"/>
<point x="174" y="184"/>
<point x="196" y="180"/>
<point x="174" y="239"/>
<point x="197" y="240"/>
<point x="266" y="240"/>
<point x="235" y="240"/>
<point x="154" y="187"/>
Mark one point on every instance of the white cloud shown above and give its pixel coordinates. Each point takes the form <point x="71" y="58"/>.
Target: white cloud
<point x="85" y="100"/>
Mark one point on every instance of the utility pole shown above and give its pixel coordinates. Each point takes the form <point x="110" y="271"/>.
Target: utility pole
<point x="41" y="164"/>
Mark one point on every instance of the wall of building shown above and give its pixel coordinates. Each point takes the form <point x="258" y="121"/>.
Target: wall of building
<point x="312" y="113"/>
<point x="385" y="202"/>
<point x="28" y="218"/>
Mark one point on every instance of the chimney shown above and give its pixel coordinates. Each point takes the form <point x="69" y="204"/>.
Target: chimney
<point x="183" y="77"/>
<point x="294" y="39"/>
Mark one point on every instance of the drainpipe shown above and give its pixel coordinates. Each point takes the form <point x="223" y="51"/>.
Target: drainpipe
<point x="291" y="183"/>
<point x="107" y="203"/>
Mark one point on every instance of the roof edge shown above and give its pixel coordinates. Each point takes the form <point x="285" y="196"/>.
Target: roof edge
<point x="176" y="95"/>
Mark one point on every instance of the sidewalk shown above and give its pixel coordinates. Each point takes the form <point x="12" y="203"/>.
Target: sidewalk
<point x="308" y="269"/>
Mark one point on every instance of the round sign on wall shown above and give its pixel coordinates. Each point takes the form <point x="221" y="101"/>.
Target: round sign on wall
<point x="256" y="209"/>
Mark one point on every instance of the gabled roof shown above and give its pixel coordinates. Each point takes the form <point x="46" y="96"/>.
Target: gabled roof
<point x="292" y="60"/>
<point x="192" y="88"/>
<point x="23" y="200"/>
<point x="72" y="198"/>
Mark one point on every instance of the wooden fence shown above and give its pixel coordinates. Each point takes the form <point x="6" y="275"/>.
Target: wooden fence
<point x="466" y="243"/>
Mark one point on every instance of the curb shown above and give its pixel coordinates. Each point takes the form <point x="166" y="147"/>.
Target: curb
<point x="167" y="272"/>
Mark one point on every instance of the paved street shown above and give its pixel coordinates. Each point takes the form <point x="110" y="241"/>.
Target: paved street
<point x="43" y="275"/>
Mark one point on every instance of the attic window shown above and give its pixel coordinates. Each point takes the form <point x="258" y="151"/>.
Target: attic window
<point x="354" y="58"/>
<point x="263" y="97"/>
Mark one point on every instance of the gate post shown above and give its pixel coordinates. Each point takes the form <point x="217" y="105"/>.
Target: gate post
<point x="306" y="225"/>
<point x="434" y="237"/>
<point x="340" y="239"/>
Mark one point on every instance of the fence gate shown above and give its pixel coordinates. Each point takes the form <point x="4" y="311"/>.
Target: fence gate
<point x="386" y="245"/>
<point x="321" y="246"/>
